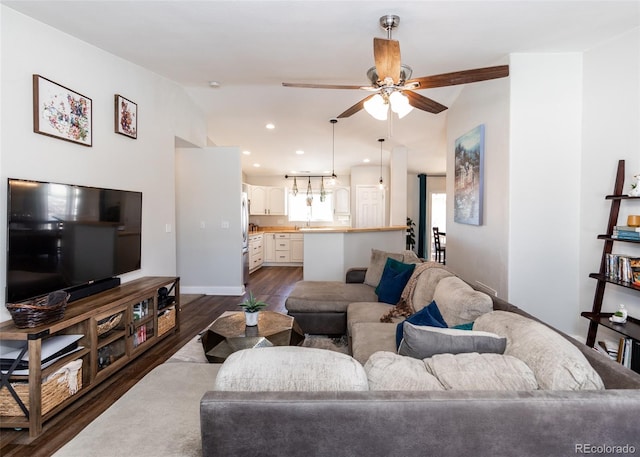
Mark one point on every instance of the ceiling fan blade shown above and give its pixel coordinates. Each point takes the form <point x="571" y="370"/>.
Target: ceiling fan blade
<point x="387" y="58"/>
<point x="461" y="77"/>
<point x="424" y="103"/>
<point x="355" y="108"/>
<point x="320" y="86"/>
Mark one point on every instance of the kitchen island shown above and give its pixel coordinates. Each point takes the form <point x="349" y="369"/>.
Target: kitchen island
<point x="330" y="251"/>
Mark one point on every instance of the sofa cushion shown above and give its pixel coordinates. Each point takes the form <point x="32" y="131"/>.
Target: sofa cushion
<point x="376" y="266"/>
<point x="290" y="368"/>
<point x="394" y="277"/>
<point x="422" y="342"/>
<point x="459" y="303"/>
<point x="556" y="363"/>
<point x="327" y="296"/>
<point x="473" y="371"/>
<point x="366" y="312"/>
<point x="425" y="287"/>
<point x="427" y="316"/>
<point x="370" y="337"/>
<point x="389" y="371"/>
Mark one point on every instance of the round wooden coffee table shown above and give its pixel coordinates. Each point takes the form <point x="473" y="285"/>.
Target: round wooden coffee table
<point x="229" y="334"/>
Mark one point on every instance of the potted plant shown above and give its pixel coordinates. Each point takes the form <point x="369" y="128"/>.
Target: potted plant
<point x="251" y="308"/>
<point x="411" y="239"/>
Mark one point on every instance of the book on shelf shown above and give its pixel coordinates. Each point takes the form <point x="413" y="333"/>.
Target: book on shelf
<point x="627" y="228"/>
<point x="622" y="268"/>
<point x="625" y="233"/>
<point x="629" y="353"/>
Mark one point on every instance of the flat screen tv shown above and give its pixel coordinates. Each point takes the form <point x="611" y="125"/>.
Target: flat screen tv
<point x="64" y="236"/>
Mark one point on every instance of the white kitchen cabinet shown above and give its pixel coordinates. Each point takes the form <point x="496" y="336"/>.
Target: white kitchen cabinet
<point x="256" y="252"/>
<point x="296" y="243"/>
<point x="269" y="247"/>
<point x="266" y="200"/>
<point x="257" y="200"/>
<point x="283" y="248"/>
<point x="342" y="201"/>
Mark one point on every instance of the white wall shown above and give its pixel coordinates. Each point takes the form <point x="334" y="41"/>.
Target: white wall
<point x="545" y="160"/>
<point x="115" y="161"/>
<point x="479" y="253"/>
<point x="569" y="119"/>
<point x="611" y="131"/>
<point x="209" y="187"/>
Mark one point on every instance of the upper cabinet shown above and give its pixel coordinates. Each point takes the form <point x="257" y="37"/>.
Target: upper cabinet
<point x="341" y="201"/>
<point x="266" y="200"/>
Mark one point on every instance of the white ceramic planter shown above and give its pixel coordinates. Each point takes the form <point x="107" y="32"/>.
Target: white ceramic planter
<point x="251" y="319"/>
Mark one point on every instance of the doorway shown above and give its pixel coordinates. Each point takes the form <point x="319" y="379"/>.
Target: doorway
<point x="438" y="218"/>
<point x="370" y="206"/>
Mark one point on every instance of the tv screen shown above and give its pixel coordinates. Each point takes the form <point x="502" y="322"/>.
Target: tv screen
<point x="62" y="235"/>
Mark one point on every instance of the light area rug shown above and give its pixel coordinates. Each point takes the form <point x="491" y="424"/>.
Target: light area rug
<point x="159" y="416"/>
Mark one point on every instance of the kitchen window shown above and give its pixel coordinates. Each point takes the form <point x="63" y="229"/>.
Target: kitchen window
<point x="300" y="211"/>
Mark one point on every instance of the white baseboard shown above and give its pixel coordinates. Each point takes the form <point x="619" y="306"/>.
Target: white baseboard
<point x="209" y="290"/>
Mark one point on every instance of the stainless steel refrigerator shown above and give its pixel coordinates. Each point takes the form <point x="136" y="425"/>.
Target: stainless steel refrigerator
<point x="244" y="219"/>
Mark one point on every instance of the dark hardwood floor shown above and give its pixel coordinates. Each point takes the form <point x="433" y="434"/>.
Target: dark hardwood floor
<point x="269" y="284"/>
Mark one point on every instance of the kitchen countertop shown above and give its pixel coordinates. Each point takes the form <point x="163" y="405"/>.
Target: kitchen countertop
<point x="326" y="229"/>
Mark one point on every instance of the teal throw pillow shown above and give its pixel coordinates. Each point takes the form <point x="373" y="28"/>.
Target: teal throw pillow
<point x="467" y="326"/>
<point x="427" y="316"/>
<point x="393" y="281"/>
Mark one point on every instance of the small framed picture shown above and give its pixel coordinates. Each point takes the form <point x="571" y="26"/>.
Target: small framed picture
<point x="60" y="112"/>
<point x="126" y="117"/>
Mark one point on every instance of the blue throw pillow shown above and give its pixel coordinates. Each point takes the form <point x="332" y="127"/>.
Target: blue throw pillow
<point x="467" y="326"/>
<point x="429" y="315"/>
<point x="394" y="278"/>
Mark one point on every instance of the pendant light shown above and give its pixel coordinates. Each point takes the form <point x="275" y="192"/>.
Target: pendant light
<point x="323" y="192"/>
<point x="381" y="183"/>
<point x="333" y="181"/>
<point x="294" y="191"/>
<point x="309" y="193"/>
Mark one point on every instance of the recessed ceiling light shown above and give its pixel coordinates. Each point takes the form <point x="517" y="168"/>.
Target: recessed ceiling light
<point x="270" y="126"/>
<point x="247" y="153"/>
<point x="214" y="84"/>
<point x="299" y="152"/>
<point x="257" y="165"/>
<point x="366" y="160"/>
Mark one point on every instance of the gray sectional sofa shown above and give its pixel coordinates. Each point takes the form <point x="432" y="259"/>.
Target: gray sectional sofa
<point x="542" y="393"/>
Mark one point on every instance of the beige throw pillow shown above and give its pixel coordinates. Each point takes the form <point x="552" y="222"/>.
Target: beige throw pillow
<point x="376" y="266"/>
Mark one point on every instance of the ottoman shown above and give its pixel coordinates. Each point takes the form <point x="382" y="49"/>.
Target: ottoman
<point x="320" y="307"/>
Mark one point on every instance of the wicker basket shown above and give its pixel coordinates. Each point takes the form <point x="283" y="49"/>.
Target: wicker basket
<point x="54" y="391"/>
<point x="109" y="323"/>
<point x="40" y="311"/>
<point x="167" y="321"/>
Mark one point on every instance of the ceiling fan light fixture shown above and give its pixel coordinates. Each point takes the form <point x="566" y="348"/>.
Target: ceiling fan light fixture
<point x="377" y="107"/>
<point x="400" y="104"/>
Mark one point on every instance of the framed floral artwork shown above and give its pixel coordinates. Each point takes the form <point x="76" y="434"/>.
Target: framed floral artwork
<point x="60" y="112"/>
<point x="126" y="117"/>
<point x="469" y="177"/>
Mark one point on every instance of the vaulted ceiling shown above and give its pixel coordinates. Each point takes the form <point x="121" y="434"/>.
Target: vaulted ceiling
<point x="251" y="47"/>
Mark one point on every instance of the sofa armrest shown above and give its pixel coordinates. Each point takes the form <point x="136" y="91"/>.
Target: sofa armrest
<point x="356" y="275"/>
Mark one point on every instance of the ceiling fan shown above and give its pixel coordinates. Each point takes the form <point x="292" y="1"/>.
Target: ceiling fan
<point x="392" y="85"/>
